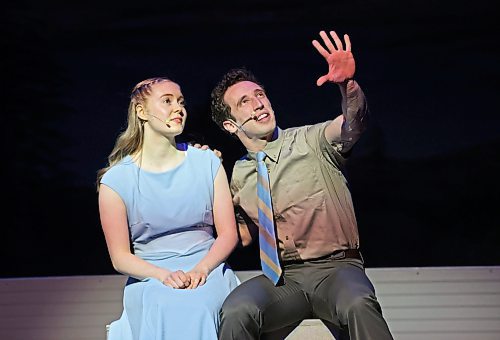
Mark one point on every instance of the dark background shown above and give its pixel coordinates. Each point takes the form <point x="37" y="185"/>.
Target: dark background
<point x="424" y="177"/>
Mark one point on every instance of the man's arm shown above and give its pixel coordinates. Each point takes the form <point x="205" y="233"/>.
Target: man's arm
<point x="345" y="129"/>
<point x="248" y="231"/>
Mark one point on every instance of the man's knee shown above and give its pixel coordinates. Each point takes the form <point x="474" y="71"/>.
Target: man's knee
<point x="232" y="308"/>
<point x="239" y="320"/>
<point x="360" y="305"/>
<point x="364" y="319"/>
<point x="236" y="309"/>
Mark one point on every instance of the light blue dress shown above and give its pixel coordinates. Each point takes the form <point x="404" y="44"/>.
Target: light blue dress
<point x="171" y="225"/>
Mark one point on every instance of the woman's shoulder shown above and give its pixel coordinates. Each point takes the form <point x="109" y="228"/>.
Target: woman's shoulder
<point x="120" y="169"/>
<point x="204" y="161"/>
<point x="200" y="154"/>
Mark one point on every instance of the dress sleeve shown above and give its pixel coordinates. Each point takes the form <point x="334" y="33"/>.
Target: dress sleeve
<point x="116" y="179"/>
<point x="215" y="163"/>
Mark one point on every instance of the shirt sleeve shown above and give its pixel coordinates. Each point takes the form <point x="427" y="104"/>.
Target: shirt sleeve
<point x="243" y="220"/>
<point x="236" y="184"/>
<point x="315" y="138"/>
<point x="355" y="112"/>
<point x="235" y="189"/>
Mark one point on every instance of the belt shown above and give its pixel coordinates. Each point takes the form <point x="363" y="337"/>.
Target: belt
<point x="347" y="254"/>
<point x="336" y="255"/>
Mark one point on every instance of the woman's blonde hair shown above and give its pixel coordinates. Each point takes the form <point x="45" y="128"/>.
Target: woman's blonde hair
<point x="130" y="141"/>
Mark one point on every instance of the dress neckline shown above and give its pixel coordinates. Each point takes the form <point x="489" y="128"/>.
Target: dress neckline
<point x="186" y="153"/>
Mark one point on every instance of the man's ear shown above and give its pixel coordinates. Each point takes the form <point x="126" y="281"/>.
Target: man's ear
<point x="229" y="126"/>
<point x="140" y="112"/>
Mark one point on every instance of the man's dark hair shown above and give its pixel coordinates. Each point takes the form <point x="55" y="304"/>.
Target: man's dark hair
<point x="220" y="110"/>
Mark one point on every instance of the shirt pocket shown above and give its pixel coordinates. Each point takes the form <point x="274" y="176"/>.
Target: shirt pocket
<point x="301" y="188"/>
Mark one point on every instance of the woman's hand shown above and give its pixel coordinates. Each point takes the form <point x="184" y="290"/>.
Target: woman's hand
<point x="198" y="277"/>
<point x="176" y="280"/>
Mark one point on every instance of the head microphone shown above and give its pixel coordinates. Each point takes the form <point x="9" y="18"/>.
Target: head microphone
<point x="161" y="120"/>
<point x="240" y="126"/>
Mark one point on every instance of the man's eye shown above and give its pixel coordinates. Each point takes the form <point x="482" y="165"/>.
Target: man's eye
<point x="182" y="103"/>
<point x="260" y="94"/>
<point x="167" y="101"/>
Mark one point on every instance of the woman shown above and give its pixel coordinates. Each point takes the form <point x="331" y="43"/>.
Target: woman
<point x="166" y="201"/>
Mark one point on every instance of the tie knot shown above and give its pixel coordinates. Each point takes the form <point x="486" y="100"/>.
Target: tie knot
<point x="260" y="156"/>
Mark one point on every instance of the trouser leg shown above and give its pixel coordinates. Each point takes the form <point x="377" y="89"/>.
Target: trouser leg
<point x="340" y="292"/>
<point x="257" y="306"/>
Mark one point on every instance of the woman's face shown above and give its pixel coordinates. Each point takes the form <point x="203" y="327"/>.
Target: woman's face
<point x="165" y="108"/>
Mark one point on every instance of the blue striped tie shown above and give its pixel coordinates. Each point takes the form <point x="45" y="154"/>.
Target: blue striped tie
<point x="267" y="240"/>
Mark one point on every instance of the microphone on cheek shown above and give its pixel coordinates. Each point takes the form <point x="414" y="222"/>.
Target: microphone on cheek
<point x="253" y="117"/>
<point x="161" y="120"/>
<point x="240" y="126"/>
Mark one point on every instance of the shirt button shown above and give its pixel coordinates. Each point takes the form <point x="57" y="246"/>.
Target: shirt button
<point x="279" y="218"/>
<point x="286" y="237"/>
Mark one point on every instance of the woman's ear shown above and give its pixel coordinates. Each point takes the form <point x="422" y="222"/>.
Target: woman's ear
<point x="140" y="112"/>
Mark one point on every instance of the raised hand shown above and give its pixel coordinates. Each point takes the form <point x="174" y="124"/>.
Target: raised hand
<point x="341" y="65"/>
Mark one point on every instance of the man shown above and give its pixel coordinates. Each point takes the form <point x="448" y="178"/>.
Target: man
<point x="320" y="272"/>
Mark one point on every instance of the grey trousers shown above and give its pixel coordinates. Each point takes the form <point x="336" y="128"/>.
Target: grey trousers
<point x="331" y="289"/>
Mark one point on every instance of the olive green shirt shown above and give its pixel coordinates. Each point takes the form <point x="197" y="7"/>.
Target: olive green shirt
<point x="312" y="204"/>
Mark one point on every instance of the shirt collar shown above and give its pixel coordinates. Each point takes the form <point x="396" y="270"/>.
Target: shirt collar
<point x="272" y="148"/>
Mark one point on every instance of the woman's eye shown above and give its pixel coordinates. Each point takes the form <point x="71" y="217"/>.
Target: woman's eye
<point x="167" y="101"/>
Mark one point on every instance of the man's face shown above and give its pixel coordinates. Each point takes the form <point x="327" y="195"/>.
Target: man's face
<point x="248" y="100"/>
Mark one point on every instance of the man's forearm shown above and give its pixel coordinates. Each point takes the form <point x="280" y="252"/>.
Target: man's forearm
<point x="355" y="112"/>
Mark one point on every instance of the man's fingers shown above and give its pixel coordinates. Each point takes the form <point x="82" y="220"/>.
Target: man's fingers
<point x="347" y="43"/>
<point x="320" y="49"/>
<point x="337" y="40"/>
<point x="218" y="154"/>
<point x="321" y="80"/>
<point x="328" y="42"/>
<point x="199" y="146"/>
